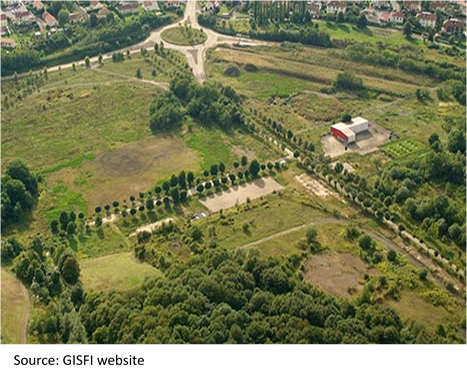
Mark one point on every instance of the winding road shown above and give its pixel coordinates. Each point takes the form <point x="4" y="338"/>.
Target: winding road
<point x="195" y="55"/>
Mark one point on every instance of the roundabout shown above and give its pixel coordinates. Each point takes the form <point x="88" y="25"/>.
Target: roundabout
<point x="184" y="35"/>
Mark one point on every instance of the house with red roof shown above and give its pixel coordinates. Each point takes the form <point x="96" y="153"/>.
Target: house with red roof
<point x="453" y="26"/>
<point x="397" y="18"/>
<point x="50" y="20"/>
<point x="427" y="19"/>
<point x="335" y="7"/>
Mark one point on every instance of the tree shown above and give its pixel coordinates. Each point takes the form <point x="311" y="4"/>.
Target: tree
<point x="214" y="169"/>
<point x="407" y="30"/>
<point x="362" y="21"/>
<point x="54" y="226"/>
<point x="346" y="117"/>
<point x="45" y="73"/>
<point x="254" y="167"/>
<point x="456" y="141"/>
<point x="99" y="59"/>
<point x="93" y="20"/>
<point x="87" y="62"/>
<point x="71" y="228"/>
<point x="339" y="167"/>
<point x="244" y="160"/>
<point x="63" y="17"/>
<point x="366" y="243"/>
<point x="70" y="270"/>
<point x="173" y="181"/>
<point x="221" y="167"/>
<point x="191" y="178"/>
<point x="340" y="17"/>
<point x="165" y="113"/>
<point x="139" y="75"/>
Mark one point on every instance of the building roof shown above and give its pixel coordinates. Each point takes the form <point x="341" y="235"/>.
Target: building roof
<point x="337" y="4"/>
<point x="426" y="16"/>
<point x="127" y="6"/>
<point x="453" y="22"/>
<point x="3" y="17"/>
<point x="397" y="14"/>
<point x="21" y="14"/>
<point x="38" y="4"/>
<point x="9" y="41"/>
<point x="384" y="16"/>
<point x="346" y="127"/>
<point x="48" y="18"/>
<point x="76" y="16"/>
<point x="103" y="12"/>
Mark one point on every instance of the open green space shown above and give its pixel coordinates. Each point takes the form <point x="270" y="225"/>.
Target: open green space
<point x="404" y="147"/>
<point x="184" y="35"/>
<point x="117" y="272"/>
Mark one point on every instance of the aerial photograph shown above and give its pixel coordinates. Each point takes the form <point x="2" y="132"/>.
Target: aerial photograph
<point x="233" y="172"/>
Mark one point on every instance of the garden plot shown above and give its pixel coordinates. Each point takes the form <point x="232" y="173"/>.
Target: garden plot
<point x="240" y="193"/>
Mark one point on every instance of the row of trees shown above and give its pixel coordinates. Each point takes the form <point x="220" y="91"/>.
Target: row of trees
<point x="81" y="40"/>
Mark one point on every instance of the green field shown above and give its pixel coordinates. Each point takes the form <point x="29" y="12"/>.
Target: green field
<point x="401" y="148"/>
<point x="115" y="272"/>
<point x="13" y="309"/>
<point x="184" y="36"/>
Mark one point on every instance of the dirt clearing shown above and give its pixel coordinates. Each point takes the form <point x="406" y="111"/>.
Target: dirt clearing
<point x="339" y="274"/>
<point x="240" y="193"/>
<point x="313" y="185"/>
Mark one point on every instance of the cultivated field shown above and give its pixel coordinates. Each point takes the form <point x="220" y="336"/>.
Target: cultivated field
<point x="240" y="194"/>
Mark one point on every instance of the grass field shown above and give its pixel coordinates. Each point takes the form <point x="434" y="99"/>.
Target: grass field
<point x="115" y="272"/>
<point x="184" y="36"/>
<point x="404" y="147"/>
<point x="13" y="309"/>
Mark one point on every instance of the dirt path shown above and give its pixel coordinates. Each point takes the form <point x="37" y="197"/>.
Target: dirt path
<point x="27" y="309"/>
<point x="161" y="84"/>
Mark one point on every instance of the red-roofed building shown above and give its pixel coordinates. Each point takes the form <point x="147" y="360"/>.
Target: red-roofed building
<point x="173" y="4"/>
<point x="150" y="6"/>
<point x="50" y="20"/>
<point x="128" y="8"/>
<point x="397" y="18"/>
<point x="22" y="17"/>
<point x="313" y="9"/>
<point x="76" y="17"/>
<point x="104" y="12"/>
<point x="453" y="26"/>
<point x="384" y="18"/>
<point x="427" y="19"/>
<point x="335" y="7"/>
<point x="38" y="5"/>
<point x="8" y="43"/>
<point x="434" y="5"/>
<point x="412" y="6"/>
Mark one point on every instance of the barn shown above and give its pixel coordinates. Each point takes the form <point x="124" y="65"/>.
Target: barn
<point x="347" y="131"/>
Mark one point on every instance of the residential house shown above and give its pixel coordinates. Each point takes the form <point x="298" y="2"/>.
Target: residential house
<point x="22" y="17"/>
<point x="313" y="9"/>
<point x="103" y="12"/>
<point x="380" y="4"/>
<point x="384" y="18"/>
<point x="173" y="4"/>
<point x="435" y="5"/>
<point x="38" y="5"/>
<point x="335" y="7"/>
<point x="76" y="17"/>
<point x="412" y="6"/>
<point x="94" y="5"/>
<point x="150" y="6"/>
<point x="4" y="20"/>
<point x="50" y="20"/>
<point x="397" y="18"/>
<point x="453" y="26"/>
<point x="427" y="19"/>
<point x="9" y="43"/>
<point x="128" y="8"/>
<point x="212" y="5"/>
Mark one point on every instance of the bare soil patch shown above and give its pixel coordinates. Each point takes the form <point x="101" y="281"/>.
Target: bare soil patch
<point x="336" y="273"/>
<point x="313" y="185"/>
<point x="240" y="193"/>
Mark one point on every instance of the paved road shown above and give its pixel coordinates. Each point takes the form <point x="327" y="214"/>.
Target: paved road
<point x="195" y="55"/>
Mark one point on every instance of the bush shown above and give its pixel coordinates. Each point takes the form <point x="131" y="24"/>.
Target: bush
<point x="232" y="70"/>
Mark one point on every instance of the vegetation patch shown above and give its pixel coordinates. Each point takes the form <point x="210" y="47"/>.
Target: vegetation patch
<point x="13" y="309"/>
<point x="403" y="147"/>
<point x="117" y="272"/>
<point x="184" y="35"/>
